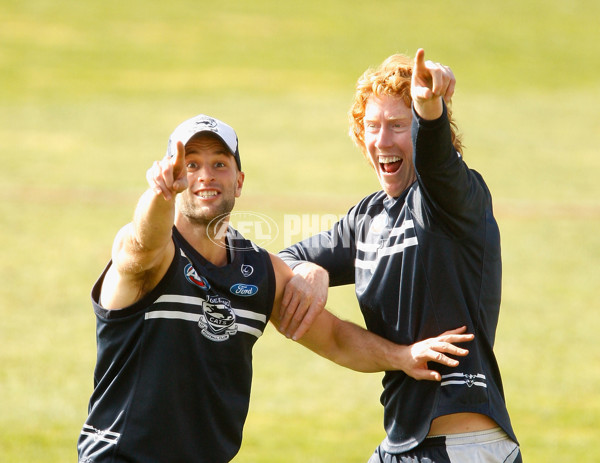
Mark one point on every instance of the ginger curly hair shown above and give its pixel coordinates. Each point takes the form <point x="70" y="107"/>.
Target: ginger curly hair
<point x="392" y="77"/>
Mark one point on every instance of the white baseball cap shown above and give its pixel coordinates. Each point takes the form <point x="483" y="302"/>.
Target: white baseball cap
<point x="203" y="123"/>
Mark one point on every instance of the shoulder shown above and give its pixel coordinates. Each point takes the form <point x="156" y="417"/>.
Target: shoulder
<point x="368" y="202"/>
<point x="283" y="273"/>
<point x="366" y="207"/>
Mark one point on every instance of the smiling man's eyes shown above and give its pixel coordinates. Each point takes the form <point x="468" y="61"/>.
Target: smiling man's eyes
<point x="193" y="165"/>
<point x="395" y="126"/>
<point x="371" y="126"/>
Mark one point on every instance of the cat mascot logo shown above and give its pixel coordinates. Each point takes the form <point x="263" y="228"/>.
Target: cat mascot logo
<point x="218" y="319"/>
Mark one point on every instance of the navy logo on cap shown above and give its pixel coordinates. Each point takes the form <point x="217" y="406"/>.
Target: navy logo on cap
<point x="205" y="123"/>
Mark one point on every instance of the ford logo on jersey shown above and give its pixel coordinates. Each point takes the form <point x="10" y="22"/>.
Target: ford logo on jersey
<point x="241" y="289"/>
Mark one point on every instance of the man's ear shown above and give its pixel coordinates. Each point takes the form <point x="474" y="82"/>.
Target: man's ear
<point x="239" y="183"/>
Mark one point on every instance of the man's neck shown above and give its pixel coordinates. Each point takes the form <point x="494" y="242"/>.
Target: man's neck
<point x="212" y="248"/>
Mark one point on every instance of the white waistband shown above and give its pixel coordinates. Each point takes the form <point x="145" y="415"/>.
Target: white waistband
<point x="476" y="437"/>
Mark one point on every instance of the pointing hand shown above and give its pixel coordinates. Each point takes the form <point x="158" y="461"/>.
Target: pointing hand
<point x="169" y="176"/>
<point x="430" y="83"/>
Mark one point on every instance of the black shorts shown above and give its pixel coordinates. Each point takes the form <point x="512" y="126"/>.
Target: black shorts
<point x="491" y="446"/>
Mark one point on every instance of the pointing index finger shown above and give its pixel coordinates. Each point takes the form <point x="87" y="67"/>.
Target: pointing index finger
<point x="419" y="61"/>
<point x="179" y="161"/>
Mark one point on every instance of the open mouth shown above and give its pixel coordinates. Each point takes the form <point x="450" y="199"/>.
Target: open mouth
<point x="390" y="164"/>
<point x="207" y="194"/>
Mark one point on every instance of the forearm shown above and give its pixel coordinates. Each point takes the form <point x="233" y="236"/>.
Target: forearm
<point x="330" y="250"/>
<point x="155" y="212"/>
<point x="351" y="346"/>
<point x="432" y="143"/>
<point x="451" y="186"/>
<point x="361" y="350"/>
<point x="153" y="221"/>
<point x="141" y="244"/>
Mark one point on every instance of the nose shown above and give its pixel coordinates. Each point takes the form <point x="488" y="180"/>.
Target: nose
<point x="205" y="174"/>
<point x="384" y="138"/>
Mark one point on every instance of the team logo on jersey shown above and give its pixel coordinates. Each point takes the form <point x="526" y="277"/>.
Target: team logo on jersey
<point x="104" y="435"/>
<point x="464" y="379"/>
<point x="470" y="380"/>
<point x="218" y="319"/>
<point x="247" y="270"/>
<point x="193" y="277"/>
<point x="242" y="289"/>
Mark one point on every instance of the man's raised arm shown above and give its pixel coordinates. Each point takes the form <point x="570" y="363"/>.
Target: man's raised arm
<point x="143" y="249"/>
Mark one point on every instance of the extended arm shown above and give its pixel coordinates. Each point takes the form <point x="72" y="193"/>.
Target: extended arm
<point x="351" y="346"/>
<point x="456" y="195"/>
<point x="354" y="347"/>
<point x="143" y="249"/>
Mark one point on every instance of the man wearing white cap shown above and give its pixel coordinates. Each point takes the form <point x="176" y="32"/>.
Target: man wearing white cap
<point x="175" y="334"/>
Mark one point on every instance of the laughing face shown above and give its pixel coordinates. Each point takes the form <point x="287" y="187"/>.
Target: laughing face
<point x="388" y="143"/>
<point x="213" y="178"/>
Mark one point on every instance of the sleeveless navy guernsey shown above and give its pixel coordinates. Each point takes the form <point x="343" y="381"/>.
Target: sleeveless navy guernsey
<point x="174" y="370"/>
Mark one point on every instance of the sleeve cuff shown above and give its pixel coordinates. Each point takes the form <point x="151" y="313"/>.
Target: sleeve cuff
<point x="431" y="123"/>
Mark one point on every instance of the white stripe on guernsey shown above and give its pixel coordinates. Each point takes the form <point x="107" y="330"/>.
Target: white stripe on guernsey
<point x="177" y="298"/>
<point x="462" y="375"/>
<point x="367" y="247"/>
<point x="191" y="300"/>
<point x="100" y="435"/>
<point x="466" y="380"/>
<point x="365" y="265"/>
<point x="251" y="315"/>
<point x="459" y="383"/>
<point x="173" y="315"/>
<point x="397" y="231"/>
<point x="104" y="435"/>
<point x="194" y="317"/>
<point x="248" y="329"/>
<point x="395" y="249"/>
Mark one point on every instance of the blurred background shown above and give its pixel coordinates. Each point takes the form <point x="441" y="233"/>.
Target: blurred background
<point x="90" y="91"/>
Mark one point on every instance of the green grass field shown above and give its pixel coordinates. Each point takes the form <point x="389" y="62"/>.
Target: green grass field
<point x="89" y="92"/>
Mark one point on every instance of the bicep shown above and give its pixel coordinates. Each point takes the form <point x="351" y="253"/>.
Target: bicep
<point x="283" y="275"/>
<point x="130" y="258"/>
<point x="133" y="271"/>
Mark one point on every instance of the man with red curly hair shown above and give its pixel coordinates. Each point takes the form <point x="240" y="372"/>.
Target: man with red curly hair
<point x="424" y="256"/>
